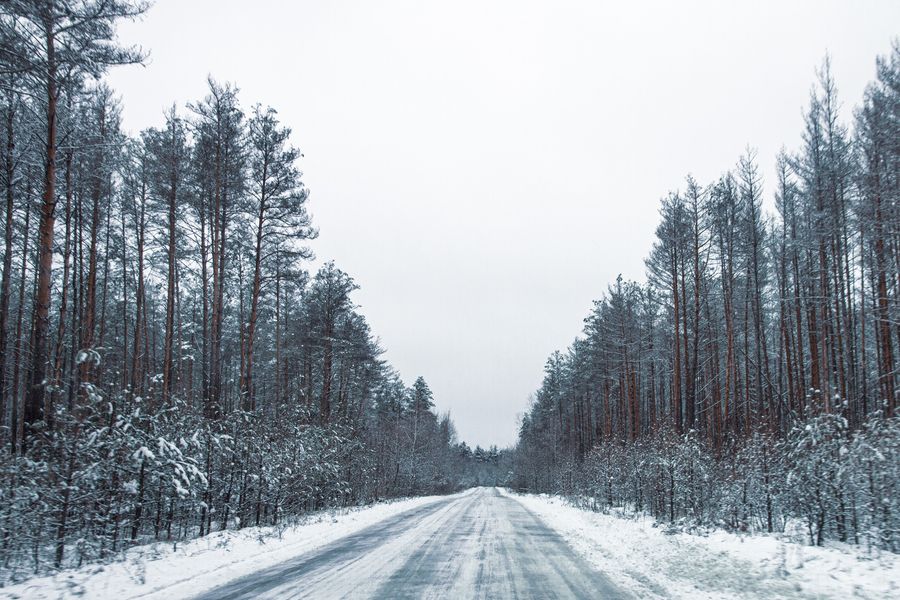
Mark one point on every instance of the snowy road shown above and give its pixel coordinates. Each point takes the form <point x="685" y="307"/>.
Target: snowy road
<point x="480" y="544"/>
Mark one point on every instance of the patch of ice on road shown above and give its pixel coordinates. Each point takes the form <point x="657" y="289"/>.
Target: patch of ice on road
<point x="161" y="572"/>
<point x="652" y="563"/>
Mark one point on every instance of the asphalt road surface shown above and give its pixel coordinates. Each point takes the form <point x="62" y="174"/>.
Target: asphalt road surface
<point x="479" y="544"/>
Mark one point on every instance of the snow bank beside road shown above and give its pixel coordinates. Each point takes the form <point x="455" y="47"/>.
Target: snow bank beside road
<point x="653" y="564"/>
<point x="158" y="571"/>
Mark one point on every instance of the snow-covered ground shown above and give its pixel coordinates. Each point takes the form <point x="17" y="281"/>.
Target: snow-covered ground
<point x="652" y="563"/>
<point x="161" y="571"/>
<point x="631" y="553"/>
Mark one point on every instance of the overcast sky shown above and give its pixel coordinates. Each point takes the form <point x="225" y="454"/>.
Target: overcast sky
<point x="484" y="169"/>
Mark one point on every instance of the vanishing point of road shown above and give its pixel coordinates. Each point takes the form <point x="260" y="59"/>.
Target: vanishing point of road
<point x="477" y="544"/>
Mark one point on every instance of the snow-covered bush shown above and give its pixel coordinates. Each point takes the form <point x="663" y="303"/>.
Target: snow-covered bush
<point x="840" y="484"/>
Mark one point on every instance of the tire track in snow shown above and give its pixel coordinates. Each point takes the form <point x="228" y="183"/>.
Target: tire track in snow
<point x="477" y="545"/>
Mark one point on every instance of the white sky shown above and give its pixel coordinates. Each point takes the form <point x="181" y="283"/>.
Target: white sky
<point x="485" y="168"/>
